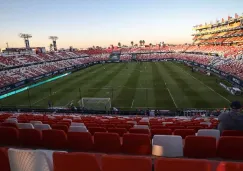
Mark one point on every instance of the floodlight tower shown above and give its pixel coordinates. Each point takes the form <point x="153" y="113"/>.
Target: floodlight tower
<point x="26" y="39"/>
<point x="54" y="40"/>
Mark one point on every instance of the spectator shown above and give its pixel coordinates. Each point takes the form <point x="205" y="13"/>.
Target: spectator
<point x="232" y="120"/>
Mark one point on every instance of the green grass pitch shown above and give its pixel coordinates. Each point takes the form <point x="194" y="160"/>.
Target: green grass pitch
<point x="154" y="85"/>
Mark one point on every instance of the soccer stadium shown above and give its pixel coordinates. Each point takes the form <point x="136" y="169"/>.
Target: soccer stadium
<point x="136" y="107"/>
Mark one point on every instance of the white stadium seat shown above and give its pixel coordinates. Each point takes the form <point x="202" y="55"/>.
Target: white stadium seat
<point x="209" y="132"/>
<point x="171" y="145"/>
<point x="42" y="127"/>
<point x="77" y="124"/>
<point x="25" y="126"/>
<point x="77" y="129"/>
<point x="35" y="122"/>
<point x="141" y="126"/>
<point x="11" y="120"/>
<point x="29" y="160"/>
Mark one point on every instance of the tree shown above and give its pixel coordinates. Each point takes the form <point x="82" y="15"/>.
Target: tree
<point x="140" y="42"/>
<point x="132" y="43"/>
<point x="143" y="41"/>
<point x="119" y="44"/>
<point x="150" y="44"/>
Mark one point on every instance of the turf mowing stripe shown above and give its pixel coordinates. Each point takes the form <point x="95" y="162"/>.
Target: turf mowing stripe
<point x="69" y="87"/>
<point x="189" y="89"/>
<point x="162" y="95"/>
<point x="126" y="96"/>
<point x="203" y="83"/>
<point x="73" y="89"/>
<point x="106" y="79"/>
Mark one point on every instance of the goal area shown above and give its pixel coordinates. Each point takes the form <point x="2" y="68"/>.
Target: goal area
<point x="95" y="103"/>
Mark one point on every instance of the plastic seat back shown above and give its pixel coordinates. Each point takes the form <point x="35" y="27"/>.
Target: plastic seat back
<point x="107" y="142"/>
<point x="29" y="160"/>
<point x="170" y="164"/>
<point x="75" y="162"/>
<point x="77" y="129"/>
<point x="200" y="147"/>
<point x="54" y="139"/>
<point x="80" y="141"/>
<point x="230" y="148"/>
<point x="25" y="126"/>
<point x="30" y="138"/>
<point x="172" y="146"/>
<point x="126" y="163"/>
<point x="137" y="144"/>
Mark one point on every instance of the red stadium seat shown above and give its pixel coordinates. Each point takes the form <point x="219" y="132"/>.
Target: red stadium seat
<point x="126" y="163"/>
<point x="93" y="130"/>
<point x="229" y="166"/>
<point x="4" y="161"/>
<point x="30" y="138"/>
<point x="232" y="133"/>
<point x="175" y="127"/>
<point x="170" y="164"/>
<point x="137" y="144"/>
<point x="9" y="136"/>
<point x="230" y="148"/>
<point x="13" y="125"/>
<point x="120" y="131"/>
<point x="200" y="147"/>
<point x="161" y="132"/>
<point x="196" y="128"/>
<point x="80" y="141"/>
<point x="139" y="131"/>
<point x="60" y="127"/>
<point x="184" y="132"/>
<point x="107" y="142"/>
<point x="54" y="139"/>
<point x="75" y="162"/>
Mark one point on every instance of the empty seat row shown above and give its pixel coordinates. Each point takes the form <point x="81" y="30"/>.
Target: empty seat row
<point x="29" y="160"/>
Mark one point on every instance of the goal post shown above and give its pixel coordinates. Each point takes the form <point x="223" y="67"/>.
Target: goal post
<point x="91" y="103"/>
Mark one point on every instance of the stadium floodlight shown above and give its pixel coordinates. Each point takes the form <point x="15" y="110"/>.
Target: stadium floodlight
<point x="95" y="103"/>
<point x="54" y="41"/>
<point x="26" y="39"/>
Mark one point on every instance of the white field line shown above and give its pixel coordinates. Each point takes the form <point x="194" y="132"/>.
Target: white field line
<point x="172" y="98"/>
<point x="204" y="84"/>
<point x="44" y="98"/>
<point x="132" y="103"/>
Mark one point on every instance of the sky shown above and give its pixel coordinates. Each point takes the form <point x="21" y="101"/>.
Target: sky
<point x="86" y="23"/>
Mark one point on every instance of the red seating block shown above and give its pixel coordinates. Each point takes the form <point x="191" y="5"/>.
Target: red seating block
<point x="230" y="148"/>
<point x="120" y="131"/>
<point x="107" y="142"/>
<point x="93" y="130"/>
<point x="161" y="132"/>
<point x="126" y="163"/>
<point x="75" y="162"/>
<point x="80" y="141"/>
<point x="4" y="161"/>
<point x="184" y="132"/>
<point x="139" y="131"/>
<point x="171" y="164"/>
<point x="54" y="139"/>
<point x="60" y="127"/>
<point x="200" y="147"/>
<point x="230" y="166"/>
<point x="30" y="137"/>
<point x="137" y="144"/>
<point x="9" y="136"/>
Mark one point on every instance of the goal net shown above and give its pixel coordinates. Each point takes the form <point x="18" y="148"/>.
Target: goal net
<point x="96" y="103"/>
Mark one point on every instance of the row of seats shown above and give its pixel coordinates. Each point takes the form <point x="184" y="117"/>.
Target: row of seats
<point x="137" y="144"/>
<point x="39" y="160"/>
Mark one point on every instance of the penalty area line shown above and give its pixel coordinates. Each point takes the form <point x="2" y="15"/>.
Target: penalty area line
<point x="172" y="97"/>
<point x="132" y="103"/>
<point x="204" y="84"/>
